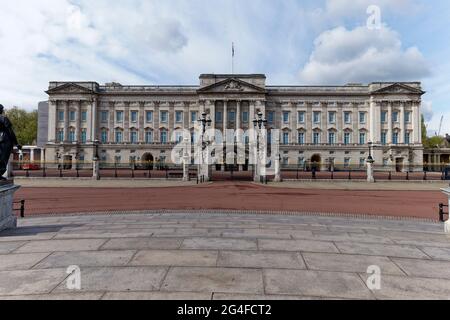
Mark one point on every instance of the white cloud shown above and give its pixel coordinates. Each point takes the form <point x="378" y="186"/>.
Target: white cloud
<point x="362" y="55"/>
<point x="427" y="110"/>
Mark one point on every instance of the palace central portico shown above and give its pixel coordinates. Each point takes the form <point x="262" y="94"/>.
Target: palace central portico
<point x="327" y="125"/>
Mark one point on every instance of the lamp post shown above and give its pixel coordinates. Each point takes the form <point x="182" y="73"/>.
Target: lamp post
<point x="95" y="162"/>
<point x="370" y="162"/>
<point x="203" y="172"/>
<point x="259" y="124"/>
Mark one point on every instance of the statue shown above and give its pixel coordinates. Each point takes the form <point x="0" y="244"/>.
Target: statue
<point x="7" y="142"/>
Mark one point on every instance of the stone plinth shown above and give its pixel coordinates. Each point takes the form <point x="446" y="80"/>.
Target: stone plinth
<point x="7" y="217"/>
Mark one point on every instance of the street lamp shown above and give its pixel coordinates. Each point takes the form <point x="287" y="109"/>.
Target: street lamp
<point x="259" y="122"/>
<point x="95" y="162"/>
<point x="370" y="162"/>
<point x="370" y="158"/>
<point x="204" y="121"/>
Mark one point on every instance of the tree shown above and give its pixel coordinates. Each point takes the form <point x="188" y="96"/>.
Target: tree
<point x="24" y="124"/>
<point x="424" y="130"/>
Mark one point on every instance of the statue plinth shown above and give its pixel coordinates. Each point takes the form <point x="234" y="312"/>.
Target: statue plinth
<point x="446" y="191"/>
<point x="7" y="218"/>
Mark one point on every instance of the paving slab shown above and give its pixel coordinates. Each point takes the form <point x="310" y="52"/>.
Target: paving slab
<point x="119" y="279"/>
<point x="157" y="296"/>
<point x="412" y="288"/>
<point x="296" y="245"/>
<point x="25" y="282"/>
<point x="315" y="283"/>
<point x="424" y="268"/>
<point x="61" y="245"/>
<point x="86" y="259"/>
<point x="437" y="253"/>
<point x="57" y="296"/>
<point x="403" y="251"/>
<point x="349" y="263"/>
<point x="22" y="261"/>
<point x="7" y="247"/>
<point x="227" y="280"/>
<point x="219" y="244"/>
<point x="259" y="259"/>
<point x="256" y="297"/>
<point x="143" y="243"/>
<point x="190" y="258"/>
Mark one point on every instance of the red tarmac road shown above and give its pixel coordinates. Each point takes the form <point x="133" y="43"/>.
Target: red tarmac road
<point x="232" y="196"/>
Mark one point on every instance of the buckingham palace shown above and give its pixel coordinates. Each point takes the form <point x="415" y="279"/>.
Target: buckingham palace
<point x="331" y="126"/>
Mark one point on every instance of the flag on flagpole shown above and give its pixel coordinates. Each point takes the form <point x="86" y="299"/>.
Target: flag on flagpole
<point x="232" y="49"/>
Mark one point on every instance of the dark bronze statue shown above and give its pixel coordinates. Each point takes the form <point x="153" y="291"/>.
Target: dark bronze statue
<point x="7" y="142"/>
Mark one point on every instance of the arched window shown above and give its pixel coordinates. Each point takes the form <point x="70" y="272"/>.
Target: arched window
<point x="149" y="136"/>
<point x="119" y="136"/>
<point x="104" y="136"/>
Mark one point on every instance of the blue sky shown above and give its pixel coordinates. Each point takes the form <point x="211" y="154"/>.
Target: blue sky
<point x="173" y="41"/>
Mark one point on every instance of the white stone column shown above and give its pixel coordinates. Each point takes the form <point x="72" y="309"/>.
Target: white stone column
<point x="225" y="118"/>
<point x="66" y="121"/>
<point x="94" y="119"/>
<point x="78" y="128"/>
<point x="309" y="122"/>
<point x="111" y="125"/>
<point x="238" y="114"/>
<point x="370" y="177"/>
<point x="402" y="124"/>
<point x="52" y="120"/>
<point x="141" y="137"/>
<point x="390" y="123"/>
<point x="186" y="160"/>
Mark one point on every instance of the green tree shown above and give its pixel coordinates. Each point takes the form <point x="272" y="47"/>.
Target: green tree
<point x="424" y="130"/>
<point x="24" y="124"/>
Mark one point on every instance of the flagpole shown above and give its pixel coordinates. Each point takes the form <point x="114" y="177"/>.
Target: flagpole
<point x="232" y="58"/>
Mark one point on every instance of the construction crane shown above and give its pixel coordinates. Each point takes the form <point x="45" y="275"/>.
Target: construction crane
<point x="440" y="126"/>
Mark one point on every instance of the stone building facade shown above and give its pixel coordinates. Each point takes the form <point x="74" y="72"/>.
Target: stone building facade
<point x="327" y="125"/>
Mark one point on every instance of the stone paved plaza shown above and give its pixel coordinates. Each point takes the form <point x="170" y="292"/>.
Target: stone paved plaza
<point x="223" y="256"/>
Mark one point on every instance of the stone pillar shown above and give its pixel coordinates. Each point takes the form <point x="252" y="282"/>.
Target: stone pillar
<point x="126" y="122"/>
<point x="415" y="122"/>
<point x="277" y="168"/>
<point x="111" y="126"/>
<point x="308" y="119"/>
<point x="7" y="217"/>
<point x="402" y="124"/>
<point x="339" y="124"/>
<point x="156" y="118"/>
<point x="225" y="118"/>
<point x="96" y="169"/>
<point x="94" y="120"/>
<point x="370" y="177"/>
<point x="66" y="121"/>
<point x="78" y="127"/>
<point x="238" y="114"/>
<point x="52" y="120"/>
<point x="141" y="136"/>
<point x="390" y="123"/>
<point x="186" y="160"/>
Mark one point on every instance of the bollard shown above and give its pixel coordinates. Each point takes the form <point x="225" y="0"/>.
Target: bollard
<point x="390" y="175"/>
<point x="27" y="173"/>
<point x="44" y="173"/>
<point x="349" y="175"/>
<point x="332" y="175"/>
<point x="132" y="173"/>
<point x="424" y="176"/>
<point x="78" y="172"/>
<point x="22" y="208"/>
<point x="60" y="172"/>
<point x="407" y="175"/>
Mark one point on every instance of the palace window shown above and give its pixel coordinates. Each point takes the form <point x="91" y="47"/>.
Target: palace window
<point x="347" y="138"/>
<point x="395" y="117"/>
<point x="83" y="135"/>
<point x="395" y="138"/>
<point x="119" y="136"/>
<point x="104" y="136"/>
<point x="285" y="117"/>
<point x="408" y="116"/>
<point x="134" y="116"/>
<point x="362" y="138"/>
<point x="347" y="117"/>
<point x="193" y="116"/>
<point x="72" y="135"/>
<point x="104" y="116"/>
<point x="218" y="116"/>
<point x="362" y="117"/>
<point x="332" y="117"/>
<point x="72" y="115"/>
<point x="407" y="137"/>
<point x="301" y="138"/>
<point x="270" y="116"/>
<point x="316" y="117"/>
<point x="60" y="135"/>
<point x="119" y="116"/>
<point x="301" y="117"/>
<point x="232" y="116"/>
<point x="60" y="116"/>
<point x="83" y="116"/>
<point x="148" y="137"/>
<point x="245" y="116"/>
<point x="149" y="116"/>
<point x="164" y="136"/>
<point x="331" y="137"/>
<point x="285" y="137"/>
<point x="383" y="116"/>
<point x="133" y="136"/>
<point x="383" y="137"/>
<point x="178" y="116"/>
<point x="178" y="137"/>
<point x="316" y="138"/>
<point x="346" y="163"/>
<point x="164" y="116"/>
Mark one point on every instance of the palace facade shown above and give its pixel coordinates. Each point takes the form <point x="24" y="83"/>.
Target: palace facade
<point x="329" y="125"/>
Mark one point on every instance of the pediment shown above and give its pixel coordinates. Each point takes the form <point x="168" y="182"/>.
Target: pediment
<point x="71" y="88"/>
<point x="398" y="88"/>
<point x="232" y="85"/>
